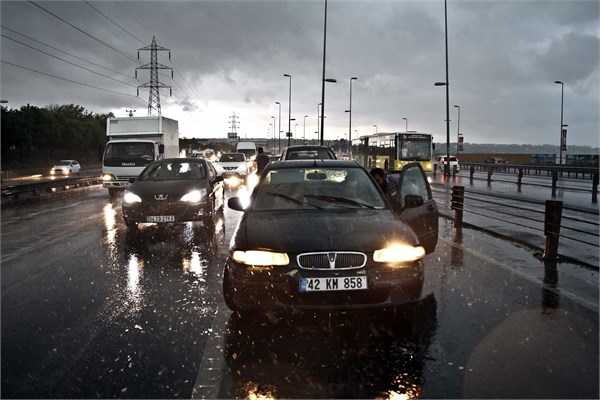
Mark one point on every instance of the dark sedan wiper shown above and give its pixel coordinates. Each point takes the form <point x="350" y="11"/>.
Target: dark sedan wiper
<point x="289" y="198"/>
<point x="334" y="199"/>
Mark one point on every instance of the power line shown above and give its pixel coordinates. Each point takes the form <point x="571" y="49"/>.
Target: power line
<point x="68" y="62"/>
<point x="64" y="52"/>
<point x="85" y="33"/>
<point x="119" y="26"/>
<point x="68" y="80"/>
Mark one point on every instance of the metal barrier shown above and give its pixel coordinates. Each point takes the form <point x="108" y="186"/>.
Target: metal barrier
<point x="580" y="226"/>
<point x="12" y="193"/>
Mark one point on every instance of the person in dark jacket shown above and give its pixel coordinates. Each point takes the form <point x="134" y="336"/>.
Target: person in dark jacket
<point x="261" y="160"/>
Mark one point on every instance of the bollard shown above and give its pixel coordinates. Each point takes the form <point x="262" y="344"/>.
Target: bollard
<point x="595" y="179"/>
<point x="471" y="173"/>
<point x="554" y="182"/>
<point x="520" y="177"/>
<point x="457" y="204"/>
<point x="552" y="220"/>
<point x="489" y="174"/>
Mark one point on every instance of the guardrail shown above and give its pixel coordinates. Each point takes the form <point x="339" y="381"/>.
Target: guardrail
<point x="578" y="226"/>
<point x="518" y="171"/>
<point x="13" y="193"/>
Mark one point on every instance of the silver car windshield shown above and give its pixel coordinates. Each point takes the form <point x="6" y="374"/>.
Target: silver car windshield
<point x="317" y="188"/>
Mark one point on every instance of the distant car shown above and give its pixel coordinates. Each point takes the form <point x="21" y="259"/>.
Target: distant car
<point x="495" y="160"/>
<point x="322" y="235"/>
<point x="308" y="152"/>
<point x="66" y="167"/>
<point x="174" y="190"/>
<point x="233" y="164"/>
<point x="441" y="162"/>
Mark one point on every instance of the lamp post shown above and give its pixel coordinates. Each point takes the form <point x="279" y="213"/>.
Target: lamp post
<point x="458" y="132"/>
<point x="304" y="131"/>
<point x="289" y="134"/>
<point x="350" y="117"/>
<point x="273" y="144"/>
<point x="375" y="128"/>
<point x="406" y="119"/>
<point x="323" y="80"/>
<point x="447" y="165"/>
<point x="279" y="144"/>
<point x="289" y="131"/>
<point x="323" y="108"/>
<point x="560" y="146"/>
<point x="318" y="122"/>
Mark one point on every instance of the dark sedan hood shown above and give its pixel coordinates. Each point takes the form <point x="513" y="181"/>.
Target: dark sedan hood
<point x="173" y="188"/>
<point x="304" y="231"/>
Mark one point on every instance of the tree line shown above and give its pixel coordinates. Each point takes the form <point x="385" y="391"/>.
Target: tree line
<point x="38" y="137"/>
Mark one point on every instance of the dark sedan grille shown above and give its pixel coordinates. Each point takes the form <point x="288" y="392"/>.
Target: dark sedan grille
<point x="332" y="260"/>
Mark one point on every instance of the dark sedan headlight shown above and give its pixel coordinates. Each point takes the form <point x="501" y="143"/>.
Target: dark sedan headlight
<point x="131" y="198"/>
<point x="195" y="196"/>
<point x="260" y="258"/>
<point x="399" y="253"/>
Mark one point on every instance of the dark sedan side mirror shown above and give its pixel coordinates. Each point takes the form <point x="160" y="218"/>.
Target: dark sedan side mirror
<point x="412" y="201"/>
<point x="235" y="204"/>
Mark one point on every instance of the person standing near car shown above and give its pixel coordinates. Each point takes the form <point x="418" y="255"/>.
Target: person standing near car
<point x="261" y="160"/>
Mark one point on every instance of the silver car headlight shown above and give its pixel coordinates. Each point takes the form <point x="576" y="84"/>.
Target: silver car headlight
<point x="260" y="257"/>
<point x="195" y="196"/>
<point x="131" y="198"/>
<point x="399" y="253"/>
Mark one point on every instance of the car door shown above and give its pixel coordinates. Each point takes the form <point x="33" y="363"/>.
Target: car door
<point x="413" y="202"/>
<point x="216" y="185"/>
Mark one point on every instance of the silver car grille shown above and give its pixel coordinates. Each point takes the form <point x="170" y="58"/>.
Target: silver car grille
<point x="332" y="260"/>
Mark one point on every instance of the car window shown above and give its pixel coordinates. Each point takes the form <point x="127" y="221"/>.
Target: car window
<point x="412" y="183"/>
<point x="317" y="188"/>
<point x="232" y="158"/>
<point x="173" y="171"/>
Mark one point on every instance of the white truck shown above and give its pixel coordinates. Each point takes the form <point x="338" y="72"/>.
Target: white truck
<point x="133" y="143"/>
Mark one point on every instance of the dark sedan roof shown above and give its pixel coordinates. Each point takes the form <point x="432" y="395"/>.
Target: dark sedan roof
<point x="313" y="163"/>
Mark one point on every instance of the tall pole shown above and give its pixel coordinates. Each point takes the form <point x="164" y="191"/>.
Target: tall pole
<point x="318" y="121"/>
<point x="274" y="126"/>
<point x="447" y="168"/>
<point x="350" y="117"/>
<point x="304" y="131"/>
<point x="560" y="143"/>
<point x="406" y="119"/>
<point x="279" y="144"/>
<point x="458" y="132"/>
<point x="289" y="131"/>
<point x="323" y="78"/>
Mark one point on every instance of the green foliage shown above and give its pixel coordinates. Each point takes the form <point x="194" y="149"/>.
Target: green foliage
<point x="38" y="137"/>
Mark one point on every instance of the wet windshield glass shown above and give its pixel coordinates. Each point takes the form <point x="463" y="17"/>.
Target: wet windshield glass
<point x="173" y="171"/>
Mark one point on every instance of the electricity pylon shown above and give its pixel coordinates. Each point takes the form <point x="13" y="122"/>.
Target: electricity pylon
<point x="154" y="85"/>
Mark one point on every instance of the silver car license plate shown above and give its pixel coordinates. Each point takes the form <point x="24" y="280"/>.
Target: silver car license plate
<point x="160" y="218"/>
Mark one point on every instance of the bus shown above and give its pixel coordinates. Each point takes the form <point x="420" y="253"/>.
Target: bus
<point x="392" y="151"/>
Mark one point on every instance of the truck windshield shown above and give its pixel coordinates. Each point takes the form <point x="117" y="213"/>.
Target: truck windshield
<point x="141" y="153"/>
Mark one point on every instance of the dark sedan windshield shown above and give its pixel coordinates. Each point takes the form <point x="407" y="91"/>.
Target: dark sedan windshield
<point x="317" y="188"/>
<point x="173" y="171"/>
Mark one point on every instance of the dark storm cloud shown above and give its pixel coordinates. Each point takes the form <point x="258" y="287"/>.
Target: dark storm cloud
<point x="227" y="56"/>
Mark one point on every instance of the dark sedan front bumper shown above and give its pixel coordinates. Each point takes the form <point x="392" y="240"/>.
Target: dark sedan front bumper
<point x="172" y="212"/>
<point x="278" y="288"/>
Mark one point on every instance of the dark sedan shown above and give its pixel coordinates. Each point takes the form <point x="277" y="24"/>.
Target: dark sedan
<point x="174" y="190"/>
<point x="322" y="235"/>
<point x="308" y="152"/>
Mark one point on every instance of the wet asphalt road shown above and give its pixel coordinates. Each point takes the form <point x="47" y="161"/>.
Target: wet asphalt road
<point x="89" y="311"/>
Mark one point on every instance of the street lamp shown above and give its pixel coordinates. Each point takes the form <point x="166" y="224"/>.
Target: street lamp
<point x="375" y="128"/>
<point x="350" y="116"/>
<point x="318" y="122"/>
<point x="273" y="144"/>
<point x="289" y="110"/>
<point x="406" y="119"/>
<point x="279" y="144"/>
<point x="560" y="146"/>
<point x="323" y="107"/>
<point x="447" y="84"/>
<point x="458" y="131"/>
<point x="304" y="131"/>
<point x="289" y="134"/>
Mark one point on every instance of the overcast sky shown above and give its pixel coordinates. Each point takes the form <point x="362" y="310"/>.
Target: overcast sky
<point x="230" y="57"/>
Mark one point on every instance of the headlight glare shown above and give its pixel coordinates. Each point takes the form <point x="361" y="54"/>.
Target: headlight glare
<point x="107" y="177"/>
<point x="194" y="196"/>
<point x="130" y="198"/>
<point x="260" y="258"/>
<point x="399" y="253"/>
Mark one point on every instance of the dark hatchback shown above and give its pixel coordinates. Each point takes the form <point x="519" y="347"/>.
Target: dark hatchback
<point x="174" y="190"/>
<point x="322" y="235"/>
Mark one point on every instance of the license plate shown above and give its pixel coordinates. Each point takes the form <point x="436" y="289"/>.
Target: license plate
<point x="160" y="218"/>
<point x="333" y="284"/>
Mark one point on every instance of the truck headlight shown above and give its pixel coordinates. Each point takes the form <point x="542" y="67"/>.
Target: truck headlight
<point x="107" y="177"/>
<point x="130" y="198"/>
